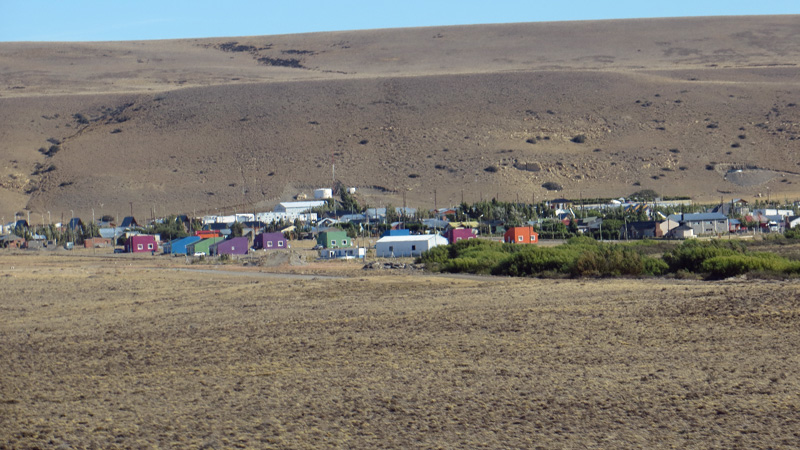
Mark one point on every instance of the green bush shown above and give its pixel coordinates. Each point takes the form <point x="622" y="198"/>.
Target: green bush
<point x="792" y="233"/>
<point x="734" y="265"/>
<point x="692" y="253"/>
<point x="535" y="260"/>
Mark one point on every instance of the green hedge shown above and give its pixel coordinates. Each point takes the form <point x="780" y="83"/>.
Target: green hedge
<point x="579" y="257"/>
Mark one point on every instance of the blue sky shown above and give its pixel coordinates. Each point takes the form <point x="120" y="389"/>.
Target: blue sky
<point x="92" y="20"/>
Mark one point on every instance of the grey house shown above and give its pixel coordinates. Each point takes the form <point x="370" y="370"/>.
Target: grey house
<point x="703" y="223"/>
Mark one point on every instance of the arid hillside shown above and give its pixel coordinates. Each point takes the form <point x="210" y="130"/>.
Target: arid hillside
<point x="601" y="108"/>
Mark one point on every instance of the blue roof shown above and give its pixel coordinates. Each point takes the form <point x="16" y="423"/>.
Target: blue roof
<point x="178" y="246"/>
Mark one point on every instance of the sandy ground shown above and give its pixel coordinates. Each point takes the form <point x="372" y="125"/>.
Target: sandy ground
<point x="114" y="351"/>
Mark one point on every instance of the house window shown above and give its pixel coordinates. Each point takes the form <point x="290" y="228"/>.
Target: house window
<point x="269" y="243"/>
<point x="149" y="246"/>
<point x="391" y="248"/>
<point x="458" y="239"/>
<point x="280" y="243"/>
<point x="139" y="247"/>
<point x="333" y="242"/>
<point x="344" y="241"/>
<point x="413" y="247"/>
<point x="520" y="238"/>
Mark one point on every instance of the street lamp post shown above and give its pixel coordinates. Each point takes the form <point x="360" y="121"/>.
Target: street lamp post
<point x="72" y="227"/>
<point x="92" y="232"/>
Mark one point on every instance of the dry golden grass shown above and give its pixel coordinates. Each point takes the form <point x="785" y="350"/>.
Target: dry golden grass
<point x="183" y="126"/>
<point x="111" y="351"/>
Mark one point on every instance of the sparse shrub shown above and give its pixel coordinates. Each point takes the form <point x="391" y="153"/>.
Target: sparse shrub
<point x="645" y="194"/>
<point x="712" y="126"/>
<point x="413" y="175"/>
<point x="491" y="169"/>
<point x="552" y="186"/>
<point x="80" y="118"/>
<point x="116" y="130"/>
<point x="530" y="140"/>
<point x="363" y="142"/>
<point x="50" y="151"/>
<point x="735" y="145"/>
<point x="579" y="139"/>
<point x="281" y="62"/>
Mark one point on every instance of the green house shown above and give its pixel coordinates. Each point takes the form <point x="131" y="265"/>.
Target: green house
<point x="334" y="239"/>
<point x="202" y="246"/>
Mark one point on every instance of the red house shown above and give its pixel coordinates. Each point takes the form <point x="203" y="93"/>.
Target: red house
<point x="521" y="235"/>
<point x="454" y="235"/>
<point x="141" y="243"/>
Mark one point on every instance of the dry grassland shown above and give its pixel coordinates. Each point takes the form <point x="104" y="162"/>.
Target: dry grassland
<point x="189" y="126"/>
<point x="115" y="352"/>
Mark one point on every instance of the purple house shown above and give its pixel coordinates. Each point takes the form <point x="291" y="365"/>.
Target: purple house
<point x="269" y="241"/>
<point x="454" y="235"/>
<point x="232" y="246"/>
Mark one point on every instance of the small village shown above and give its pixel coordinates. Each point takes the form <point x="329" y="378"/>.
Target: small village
<point x="343" y="229"/>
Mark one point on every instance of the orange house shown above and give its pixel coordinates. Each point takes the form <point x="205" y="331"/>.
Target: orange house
<point x="521" y="235"/>
<point x="205" y="234"/>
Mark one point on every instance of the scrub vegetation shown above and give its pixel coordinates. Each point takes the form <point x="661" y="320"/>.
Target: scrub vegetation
<point x="586" y="257"/>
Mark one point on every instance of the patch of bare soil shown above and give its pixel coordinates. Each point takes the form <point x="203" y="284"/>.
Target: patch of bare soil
<point x="112" y="352"/>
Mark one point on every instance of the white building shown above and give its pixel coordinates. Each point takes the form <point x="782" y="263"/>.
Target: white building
<point x="299" y="207"/>
<point x="271" y="216"/>
<point x="773" y="212"/>
<point x="404" y="246"/>
<point x="343" y="253"/>
<point x="323" y="193"/>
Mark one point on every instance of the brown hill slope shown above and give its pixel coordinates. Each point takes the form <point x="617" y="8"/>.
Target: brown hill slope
<point x="193" y="125"/>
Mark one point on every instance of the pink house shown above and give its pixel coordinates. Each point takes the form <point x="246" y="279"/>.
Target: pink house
<point x="454" y="235"/>
<point x="141" y="243"/>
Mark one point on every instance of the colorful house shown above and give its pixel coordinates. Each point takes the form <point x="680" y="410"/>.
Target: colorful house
<point x="334" y="239"/>
<point x="141" y="243"/>
<point x="233" y="246"/>
<point x="454" y="235"/>
<point x="178" y="246"/>
<point x="202" y="246"/>
<point x="205" y="234"/>
<point x="270" y="241"/>
<point x="521" y="235"/>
